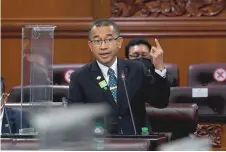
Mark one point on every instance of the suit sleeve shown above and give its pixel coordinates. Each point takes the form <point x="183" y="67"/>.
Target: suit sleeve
<point x="156" y="89"/>
<point x="172" y="80"/>
<point x="76" y="94"/>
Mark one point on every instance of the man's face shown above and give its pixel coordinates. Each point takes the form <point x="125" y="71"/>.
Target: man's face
<point x="139" y="51"/>
<point x="105" y="44"/>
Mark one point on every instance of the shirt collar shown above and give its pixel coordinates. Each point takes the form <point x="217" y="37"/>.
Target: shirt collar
<point x="104" y="68"/>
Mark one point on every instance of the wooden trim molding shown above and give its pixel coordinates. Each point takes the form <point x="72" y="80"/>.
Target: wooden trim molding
<point x="168" y="27"/>
<point x="213" y="131"/>
<point x="135" y="26"/>
<point x="65" y="27"/>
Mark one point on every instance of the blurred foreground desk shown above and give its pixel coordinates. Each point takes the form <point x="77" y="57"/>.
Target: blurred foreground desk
<point x="112" y="143"/>
<point x="154" y="139"/>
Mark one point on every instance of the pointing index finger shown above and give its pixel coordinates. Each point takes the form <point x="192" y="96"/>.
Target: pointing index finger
<point x="157" y="43"/>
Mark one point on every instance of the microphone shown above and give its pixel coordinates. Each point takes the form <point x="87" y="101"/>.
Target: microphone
<point x="6" y="113"/>
<point x="127" y="98"/>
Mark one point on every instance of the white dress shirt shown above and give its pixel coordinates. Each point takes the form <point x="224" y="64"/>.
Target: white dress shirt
<point x="104" y="70"/>
<point x="161" y="73"/>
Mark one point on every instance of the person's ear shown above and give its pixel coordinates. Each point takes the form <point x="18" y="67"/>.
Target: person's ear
<point x="90" y="45"/>
<point x="119" y="41"/>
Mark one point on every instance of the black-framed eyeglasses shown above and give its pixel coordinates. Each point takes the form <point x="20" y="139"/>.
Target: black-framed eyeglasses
<point x="137" y="55"/>
<point x="106" y="41"/>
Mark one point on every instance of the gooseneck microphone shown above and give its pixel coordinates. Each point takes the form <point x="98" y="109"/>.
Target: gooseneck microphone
<point x="127" y="98"/>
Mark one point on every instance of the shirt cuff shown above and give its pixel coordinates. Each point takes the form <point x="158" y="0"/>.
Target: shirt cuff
<point x="161" y="73"/>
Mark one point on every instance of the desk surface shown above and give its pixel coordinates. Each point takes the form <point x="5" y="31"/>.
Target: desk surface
<point x="111" y="143"/>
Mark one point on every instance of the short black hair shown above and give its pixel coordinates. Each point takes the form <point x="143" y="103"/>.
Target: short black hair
<point x="104" y="22"/>
<point x="136" y="41"/>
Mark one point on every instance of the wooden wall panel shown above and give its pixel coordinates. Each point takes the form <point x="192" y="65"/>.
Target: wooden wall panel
<point x="11" y="62"/>
<point x="72" y="51"/>
<point x="46" y="8"/>
<point x="101" y="8"/>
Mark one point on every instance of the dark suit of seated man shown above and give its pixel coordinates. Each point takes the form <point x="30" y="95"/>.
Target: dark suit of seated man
<point x="12" y="125"/>
<point x="101" y="81"/>
<point x="13" y="122"/>
<point x="140" y="48"/>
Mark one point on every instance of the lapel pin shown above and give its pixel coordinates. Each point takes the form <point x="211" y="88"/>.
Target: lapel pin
<point x="102" y="84"/>
<point x="98" y="78"/>
<point x="6" y="125"/>
<point x="105" y="88"/>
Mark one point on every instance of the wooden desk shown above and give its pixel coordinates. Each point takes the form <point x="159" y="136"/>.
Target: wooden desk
<point x="113" y="143"/>
<point x="154" y="139"/>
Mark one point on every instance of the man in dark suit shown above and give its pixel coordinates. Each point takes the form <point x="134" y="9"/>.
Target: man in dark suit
<point x="13" y="121"/>
<point x="101" y="81"/>
<point x="10" y="118"/>
<point x="140" y="48"/>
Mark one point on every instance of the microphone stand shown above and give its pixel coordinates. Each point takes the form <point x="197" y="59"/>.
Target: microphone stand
<point x="127" y="97"/>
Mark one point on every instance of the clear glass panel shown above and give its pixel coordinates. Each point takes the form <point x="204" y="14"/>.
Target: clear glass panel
<point x="37" y="57"/>
<point x="36" y="60"/>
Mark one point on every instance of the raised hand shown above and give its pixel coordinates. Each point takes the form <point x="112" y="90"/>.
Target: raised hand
<point x="156" y="54"/>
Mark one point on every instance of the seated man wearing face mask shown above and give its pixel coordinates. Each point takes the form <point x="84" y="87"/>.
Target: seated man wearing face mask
<point x="140" y="48"/>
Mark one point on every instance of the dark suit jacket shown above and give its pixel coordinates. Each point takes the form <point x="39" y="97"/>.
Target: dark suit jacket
<point x="171" y="79"/>
<point x="142" y="85"/>
<point x="14" y="120"/>
<point x="169" y="76"/>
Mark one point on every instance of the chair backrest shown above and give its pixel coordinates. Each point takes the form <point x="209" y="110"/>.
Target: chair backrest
<point x="40" y="92"/>
<point x="179" y="119"/>
<point x="207" y="74"/>
<point x="210" y="100"/>
<point x="62" y="72"/>
<point x="173" y="70"/>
